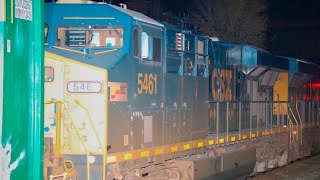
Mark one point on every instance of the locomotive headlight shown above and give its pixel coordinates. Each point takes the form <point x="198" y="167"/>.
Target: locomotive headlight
<point x="91" y="159"/>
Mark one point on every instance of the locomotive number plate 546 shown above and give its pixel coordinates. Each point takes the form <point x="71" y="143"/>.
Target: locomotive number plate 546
<point x="84" y="87"/>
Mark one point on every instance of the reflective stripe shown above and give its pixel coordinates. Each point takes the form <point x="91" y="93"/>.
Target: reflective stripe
<point x="210" y="142"/>
<point x="186" y="146"/>
<point x="200" y="144"/>
<point x="233" y="139"/>
<point x="172" y="148"/>
<point x="144" y="154"/>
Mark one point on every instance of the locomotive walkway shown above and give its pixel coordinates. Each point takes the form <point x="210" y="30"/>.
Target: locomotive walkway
<point x="308" y="168"/>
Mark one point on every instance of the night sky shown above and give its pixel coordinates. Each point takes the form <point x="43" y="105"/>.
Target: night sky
<point x="294" y="29"/>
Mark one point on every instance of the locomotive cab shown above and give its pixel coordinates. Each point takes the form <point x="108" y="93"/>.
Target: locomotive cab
<point x="100" y="65"/>
<point x="88" y="37"/>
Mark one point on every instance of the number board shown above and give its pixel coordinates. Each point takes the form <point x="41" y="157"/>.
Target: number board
<point x="147" y="83"/>
<point x="84" y="87"/>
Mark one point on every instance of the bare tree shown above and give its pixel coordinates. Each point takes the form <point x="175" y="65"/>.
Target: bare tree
<point x="241" y="21"/>
<point x="151" y="8"/>
<point x="142" y="6"/>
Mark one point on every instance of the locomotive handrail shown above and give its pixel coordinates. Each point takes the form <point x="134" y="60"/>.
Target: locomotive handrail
<point x="186" y="52"/>
<point x="79" y="135"/>
<point x="71" y="50"/>
<point x="106" y="51"/>
<point x="77" y="101"/>
<point x="90" y="120"/>
<point x="294" y="117"/>
<point x="58" y="130"/>
<point x="291" y="123"/>
<point x="77" y="130"/>
<point x="58" y="117"/>
<point x="52" y="102"/>
<point x="247" y="101"/>
<point x="300" y="122"/>
<point x="290" y="131"/>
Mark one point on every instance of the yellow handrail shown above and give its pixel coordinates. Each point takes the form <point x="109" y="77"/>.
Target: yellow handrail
<point x="58" y="118"/>
<point x="58" y="129"/>
<point x="294" y="117"/>
<point x="52" y="102"/>
<point x="71" y="50"/>
<point x="287" y="111"/>
<point x="77" y="101"/>
<point x="79" y="135"/>
<point x="90" y="120"/>
<point x="300" y="122"/>
<point x="290" y="125"/>
<point x="106" y="51"/>
<point x="291" y="129"/>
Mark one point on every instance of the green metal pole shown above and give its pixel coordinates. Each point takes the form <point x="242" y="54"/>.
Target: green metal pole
<point x="2" y="19"/>
<point x="22" y="120"/>
<point x="38" y="83"/>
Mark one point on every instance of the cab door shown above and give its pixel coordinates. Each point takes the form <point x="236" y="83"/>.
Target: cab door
<point x="147" y="92"/>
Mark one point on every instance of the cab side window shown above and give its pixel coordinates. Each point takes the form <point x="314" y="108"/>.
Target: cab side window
<point x="135" y="43"/>
<point x="91" y="37"/>
<point x="201" y="62"/>
<point x="151" y="52"/>
<point x="145" y="46"/>
<point x="49" y="74"/>
<point x="157" y="49"/>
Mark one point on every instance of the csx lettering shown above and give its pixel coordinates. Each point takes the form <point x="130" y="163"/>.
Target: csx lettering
<point x="225" y="85"/>
<point x="147" y="83"/>
<point x="228" y="76"/>
<point x="214" y="80"/>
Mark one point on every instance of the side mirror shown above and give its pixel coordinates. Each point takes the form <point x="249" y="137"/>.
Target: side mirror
<point x="46" y="31"/>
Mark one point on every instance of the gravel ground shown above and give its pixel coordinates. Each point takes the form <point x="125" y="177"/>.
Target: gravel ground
<point x="307" y="168"/>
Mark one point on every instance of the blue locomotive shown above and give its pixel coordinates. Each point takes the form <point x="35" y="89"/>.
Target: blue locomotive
<point x="126" y="96"/>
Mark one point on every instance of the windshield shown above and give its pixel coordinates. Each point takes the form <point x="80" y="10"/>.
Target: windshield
<point x="104" y="37"/>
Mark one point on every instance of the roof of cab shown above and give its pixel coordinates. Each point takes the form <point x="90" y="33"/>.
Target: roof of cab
<point x="98" y="10"/>
<point x="137" y="16"/>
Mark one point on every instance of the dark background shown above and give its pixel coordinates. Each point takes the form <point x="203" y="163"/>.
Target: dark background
<point x="294" y="28"/>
